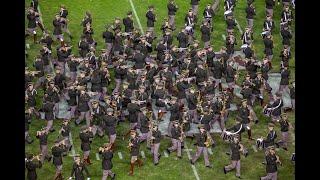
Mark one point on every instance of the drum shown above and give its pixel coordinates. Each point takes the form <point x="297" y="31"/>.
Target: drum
<point x="226" y="136"/>
<point x="267" y="111"/>
<point x="260" y="143"/>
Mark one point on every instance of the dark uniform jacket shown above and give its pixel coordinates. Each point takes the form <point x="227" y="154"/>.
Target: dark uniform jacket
<point x="265" y="68"/>
<point x="133" y="112"/>
<point x="31" y="101"/>
<point x="83" y="103"/>
<point x="110" y="122"/>
<point x="83" y="48"/>
<point x="230" y="73"/>
<point x="174" y="110"/>
<point x="176" y="133"/>
<point x="208" y="13"/>
<point x="192" y="102"/>
<point x="159" y="96"/>
<point x="172" y="9"/>
<point x="57" y="155"/>
<point x="72" y="93"/>
<point x="248" y="52"/>
<point x="269" y="141"/>
<point x="31" y="169"/>
<point x="205" y="33"/>
<point x="57" y="27"/>
<point x="48" y="111"/>
<point x="135" y="147"/>
<point x="85" y="140"/>
<point x="201" y="138"/>
<point x="66" y="130"/>
<point x="32" y="20"/>
<point x="182" y="86"/>
<point x="268" y="25"/>
<point x="139" y="60"/>
<point x="270" y="4"/>
<point x="107" y="160"/>
<point x="59" y="80"/>
<point x="244" y="113"/>
<point x="285" y="74"/>
<point x="231" y="23"/>
<point x="53" y="94"/>
<point x="108" y="36"/>
<point x="250" y="12"/>
<point x="194" y="2"/>
<point x="98" y="114"/>
<point x="235" y="153"/>
<point x="144" y="122"/>
<point x="286" y="36"/>
<point x="201" y="75"/>
<point x="183" y="40"/>
<point x="157" y="136"/>
<point x="206" y="119"/>
<point x="284" y="126"/>
<point x="271" y="166"/>
<point x="77" y="170"/>
<point x="217" y="69"/>
<point x="210" y="57"/>
<point x="151" y="18"/>
<point x="43" y="139"/>
<point x="128" y="24"/>
<point x="247" y="94"/>
<point x="292" y="93"/>
<point x="268" y="46"/>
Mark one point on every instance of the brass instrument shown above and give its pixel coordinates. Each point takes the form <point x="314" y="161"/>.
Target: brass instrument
<point x="209" y="140"/>
<point x="35" y="159"/>
<point x="182" y="133"/>
<point x="130" y="145"/>
<point x="32" y="73"/>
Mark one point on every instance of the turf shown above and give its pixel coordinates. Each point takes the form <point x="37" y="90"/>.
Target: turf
<point x="103" y="12"/>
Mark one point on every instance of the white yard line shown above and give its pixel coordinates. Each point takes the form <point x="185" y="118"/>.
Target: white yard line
<point x="120" y="155"/>
<point x="97" y="157"/>
<point x="193" y="167"/>
<point x="73" y="151"/>
<point x="238" y="25"/>
<point x="40" y="15"/>
<point x="136" y="15"/>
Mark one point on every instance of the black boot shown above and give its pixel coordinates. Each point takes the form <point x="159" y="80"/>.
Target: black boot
<point x="220" y="87"/>
<point x="249" y="134"/>
<point x="35" y="38"/>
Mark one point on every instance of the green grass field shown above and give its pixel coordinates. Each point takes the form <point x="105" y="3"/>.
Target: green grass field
<point x="103" y="12"/>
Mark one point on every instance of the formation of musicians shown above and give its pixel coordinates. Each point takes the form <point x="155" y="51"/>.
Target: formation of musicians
<point x="143" y="81"/>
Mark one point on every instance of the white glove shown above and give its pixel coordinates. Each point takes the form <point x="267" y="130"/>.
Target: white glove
<point x="70" y="177"/>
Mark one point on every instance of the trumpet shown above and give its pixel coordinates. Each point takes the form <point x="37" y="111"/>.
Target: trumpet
<point x="130" y="145"/>
<point x="35" y="158"/>
<point x="27" y="72"/>
<point x="209" y="140"/>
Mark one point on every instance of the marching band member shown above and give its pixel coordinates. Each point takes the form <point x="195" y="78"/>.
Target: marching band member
<point x="202" y="147"/>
